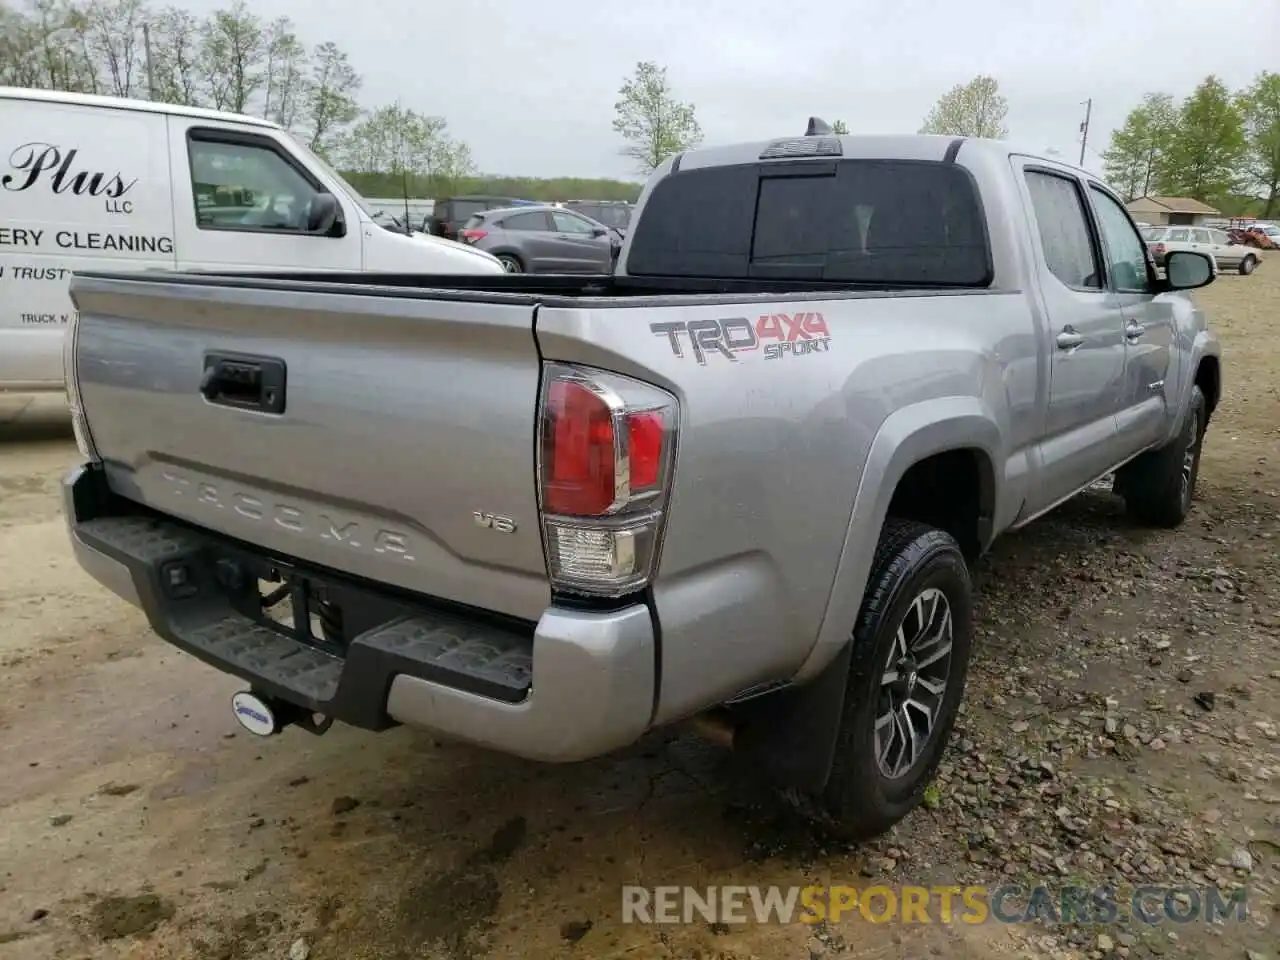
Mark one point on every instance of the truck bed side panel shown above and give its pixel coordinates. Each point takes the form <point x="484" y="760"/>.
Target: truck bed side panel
<point x="404" y="416"/>
<point x="773" y="446"/>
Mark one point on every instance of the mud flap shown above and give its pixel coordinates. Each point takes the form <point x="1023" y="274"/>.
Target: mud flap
<point x="790" y="736"/>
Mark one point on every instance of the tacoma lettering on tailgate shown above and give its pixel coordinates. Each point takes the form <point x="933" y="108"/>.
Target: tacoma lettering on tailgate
<point x="781" y="335"/>
<point x="326" y="525"/>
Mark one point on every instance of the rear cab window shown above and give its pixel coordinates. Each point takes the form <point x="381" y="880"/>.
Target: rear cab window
<point x="872" y="222"/>
<point x="459" y="211"/>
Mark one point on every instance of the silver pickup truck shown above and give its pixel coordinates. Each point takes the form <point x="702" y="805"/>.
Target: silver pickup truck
<point x="739" y="481"/>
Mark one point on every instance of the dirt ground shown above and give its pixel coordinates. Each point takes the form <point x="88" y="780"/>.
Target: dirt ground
<point x="1120" y="727"/>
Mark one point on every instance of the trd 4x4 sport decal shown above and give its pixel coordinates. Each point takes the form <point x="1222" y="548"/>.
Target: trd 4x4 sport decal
<point x="781" y="335"/>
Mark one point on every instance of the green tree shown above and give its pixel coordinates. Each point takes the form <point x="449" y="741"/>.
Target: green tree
<point x="176" y="65"/>
<point x="1132" y="161"/>
<point x="284" y="73"/>
<point x="331" y="97"/>
<point x="112" y="34"/>
<point x="233" y="54"/>
<point x="840" y="128"/>
<point x="407" y="147"/>
<point x="653" y="122"/>
<point x="1260" y="105"/>
<point x="973" y="109"/>
<point x="46" y="45"/>
<point x="1204" y="157"/>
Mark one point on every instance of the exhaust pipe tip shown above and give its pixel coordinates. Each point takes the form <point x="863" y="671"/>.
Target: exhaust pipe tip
<point x="715" y="727"/>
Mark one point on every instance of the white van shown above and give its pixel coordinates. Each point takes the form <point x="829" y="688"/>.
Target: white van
<point x="100" y="183"/>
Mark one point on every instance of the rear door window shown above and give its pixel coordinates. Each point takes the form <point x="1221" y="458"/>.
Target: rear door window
<point x="874" y="222"/>
<point x="526" y="221"/>
<point x="1178" y="236"/>
<point x="1069" y="248"/>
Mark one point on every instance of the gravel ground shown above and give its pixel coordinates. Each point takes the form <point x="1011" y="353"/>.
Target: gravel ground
<point x="1120" y="728"/>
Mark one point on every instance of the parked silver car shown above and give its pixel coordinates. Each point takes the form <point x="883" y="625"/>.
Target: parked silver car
<point x="543" y="240"/>
<point x="1226" y="255"/>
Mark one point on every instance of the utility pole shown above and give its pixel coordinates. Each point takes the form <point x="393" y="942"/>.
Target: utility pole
<point x="1084" y="128"/>
<point x="151" y="76"/>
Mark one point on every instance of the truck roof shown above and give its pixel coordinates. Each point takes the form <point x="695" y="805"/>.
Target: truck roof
<point x="867" y="146"/>
<point x="125" y="103"/>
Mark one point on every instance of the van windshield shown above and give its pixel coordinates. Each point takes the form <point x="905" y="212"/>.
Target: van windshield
<point x="320" y="162"/>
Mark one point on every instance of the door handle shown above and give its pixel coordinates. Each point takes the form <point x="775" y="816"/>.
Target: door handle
<point x="1133" y="331"/>
<point x="244" y="382"/>
<point x="1068" y="339"/>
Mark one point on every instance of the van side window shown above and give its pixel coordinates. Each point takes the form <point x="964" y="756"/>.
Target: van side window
<point x="241" y="185"/>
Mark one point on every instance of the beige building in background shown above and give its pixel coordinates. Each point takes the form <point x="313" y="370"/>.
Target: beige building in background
<point x="1170" y="210"/>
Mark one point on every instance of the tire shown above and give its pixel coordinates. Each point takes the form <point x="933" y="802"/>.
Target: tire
<point x="511" y="263"/>
<point x="1247" y="265"/>
<point x="1160" y="486"/>
<point x="917" y="571"/>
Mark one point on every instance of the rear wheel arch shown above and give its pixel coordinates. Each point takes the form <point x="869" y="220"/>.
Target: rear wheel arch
<point x="1209" y="379"/>
<point x="792" y="734"/>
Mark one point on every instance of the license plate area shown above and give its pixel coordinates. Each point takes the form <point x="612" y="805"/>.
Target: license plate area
<point x="284" y="599"/>
<point x="300" y="607"/>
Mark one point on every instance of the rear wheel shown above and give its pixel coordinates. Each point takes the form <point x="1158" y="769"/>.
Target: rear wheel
<point x="906" y="679"/>
<point x="511" y="263"/>
<point x="1247" y="265"/>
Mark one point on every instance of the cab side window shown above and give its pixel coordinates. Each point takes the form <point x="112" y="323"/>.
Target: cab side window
<point x="1126" y="253"/>
<point x="240" y="184"/>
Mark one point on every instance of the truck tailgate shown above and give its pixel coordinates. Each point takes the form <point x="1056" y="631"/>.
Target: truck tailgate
<point x="404" y="419"/>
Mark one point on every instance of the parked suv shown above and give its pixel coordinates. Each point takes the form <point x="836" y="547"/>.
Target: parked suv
<point x="450" y="213"/>
<point x="543" y="239"/>
<point x="612" y="213"/>
<point x="1226" y="255"/>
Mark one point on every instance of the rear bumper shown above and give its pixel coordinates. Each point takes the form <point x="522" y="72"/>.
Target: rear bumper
<point x="577" y="684"/>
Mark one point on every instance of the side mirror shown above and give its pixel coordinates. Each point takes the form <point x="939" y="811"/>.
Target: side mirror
<point x="599" y="231"/>
<point x="324" y="215"/>
<point x="1185" y="270"/>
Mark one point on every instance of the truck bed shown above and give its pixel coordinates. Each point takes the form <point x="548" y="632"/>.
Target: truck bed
<point x="552" y="290"/>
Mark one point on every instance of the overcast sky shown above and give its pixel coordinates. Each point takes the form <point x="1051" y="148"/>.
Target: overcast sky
<point x="531" y="85"/>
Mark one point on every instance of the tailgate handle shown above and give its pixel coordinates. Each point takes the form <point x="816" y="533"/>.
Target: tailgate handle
<point x="244" y="382"/>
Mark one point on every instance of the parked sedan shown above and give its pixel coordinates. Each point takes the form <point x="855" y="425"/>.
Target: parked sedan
<point x="1226" y="255"/>
<point x="543" y="239"/>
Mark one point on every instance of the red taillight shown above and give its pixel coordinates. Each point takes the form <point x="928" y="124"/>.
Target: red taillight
<point x="579" y="455"/>
<point x="645" y="434"/>
<point x="1158" y="249"/>
<point x="471" y="236"/>
<point x="605" y="462"/>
